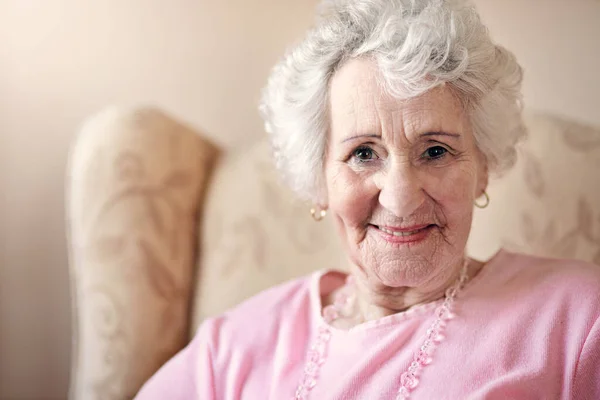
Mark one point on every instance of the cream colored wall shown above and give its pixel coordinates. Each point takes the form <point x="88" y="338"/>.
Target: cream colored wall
<point x="62" y="60"/>
<point x="558" y="43"/>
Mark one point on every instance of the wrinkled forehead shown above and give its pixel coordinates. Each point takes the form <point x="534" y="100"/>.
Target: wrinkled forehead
<point x="359" y="103"/>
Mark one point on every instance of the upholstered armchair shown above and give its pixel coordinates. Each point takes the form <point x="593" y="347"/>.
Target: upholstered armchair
<point x="165" y="229"/>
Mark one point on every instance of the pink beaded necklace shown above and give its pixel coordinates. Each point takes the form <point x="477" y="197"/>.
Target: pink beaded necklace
<point x="409" y="380"/>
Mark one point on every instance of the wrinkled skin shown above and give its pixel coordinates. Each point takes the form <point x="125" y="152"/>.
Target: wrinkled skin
<point x="400" y="165"/>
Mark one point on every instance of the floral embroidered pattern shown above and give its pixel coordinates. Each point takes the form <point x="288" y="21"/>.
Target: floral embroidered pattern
<point x="560" y="217"/>
<point x="134" y="231"/>
<point x="135" y="221"/>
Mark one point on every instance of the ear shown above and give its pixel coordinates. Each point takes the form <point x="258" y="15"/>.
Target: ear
<point x="321" y="199"/>
<point x="322" y="205"/>
<point x="482" y="178"/>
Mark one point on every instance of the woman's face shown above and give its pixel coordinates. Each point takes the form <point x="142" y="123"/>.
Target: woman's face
<point x="402" y="176"/>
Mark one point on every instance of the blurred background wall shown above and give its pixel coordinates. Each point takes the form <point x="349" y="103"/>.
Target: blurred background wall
<point x="205" y="62"/>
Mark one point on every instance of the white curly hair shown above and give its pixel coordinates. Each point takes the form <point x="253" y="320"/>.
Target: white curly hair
<point x="417" y="45"/>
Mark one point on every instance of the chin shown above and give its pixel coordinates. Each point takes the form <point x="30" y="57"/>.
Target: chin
<point x="402" y="264"/>
<point x="411" y="271"/>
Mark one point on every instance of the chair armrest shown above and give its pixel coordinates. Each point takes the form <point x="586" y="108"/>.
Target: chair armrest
<point x="135" y="182"/>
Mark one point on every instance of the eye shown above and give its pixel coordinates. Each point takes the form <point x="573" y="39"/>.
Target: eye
<point x="435" y="152"/>
<point x="364" y="153"/>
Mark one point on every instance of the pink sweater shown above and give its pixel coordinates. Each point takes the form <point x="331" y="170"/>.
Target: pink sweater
<point x="525" y="328"/>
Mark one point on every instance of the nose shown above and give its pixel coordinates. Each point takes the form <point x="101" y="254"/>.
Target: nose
<point x="401" y="190"/>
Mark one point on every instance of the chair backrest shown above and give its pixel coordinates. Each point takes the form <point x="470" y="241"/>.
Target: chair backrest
<point x="549" y="204"/>
<point x="135" y="184"/>
<point x="137" y="180"/>
<point x="254" y="235"/>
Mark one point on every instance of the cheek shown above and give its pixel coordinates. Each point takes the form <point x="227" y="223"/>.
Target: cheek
<point x="351" y="195"/>
<point x="454" y="193"/>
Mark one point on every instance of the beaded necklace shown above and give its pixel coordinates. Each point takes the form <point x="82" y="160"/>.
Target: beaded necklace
<point x="409" y="379"/>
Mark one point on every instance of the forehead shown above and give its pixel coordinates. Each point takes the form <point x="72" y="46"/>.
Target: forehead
<point x="359" y="102"/>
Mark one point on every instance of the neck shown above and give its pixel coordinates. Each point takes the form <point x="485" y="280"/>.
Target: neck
<point x="374" y="301"/>
<point x="378" y="302"/>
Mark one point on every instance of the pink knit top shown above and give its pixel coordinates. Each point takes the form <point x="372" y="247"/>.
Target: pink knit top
<point x="525" y="328"/>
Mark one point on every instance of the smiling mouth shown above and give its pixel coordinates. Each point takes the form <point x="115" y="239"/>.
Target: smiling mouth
<point x="404" y="232"/>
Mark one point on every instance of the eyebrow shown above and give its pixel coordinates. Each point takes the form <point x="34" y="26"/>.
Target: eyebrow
<point x="424" y="134"/>
<point x="453" y="135"/>
<point x="367" y="135"/>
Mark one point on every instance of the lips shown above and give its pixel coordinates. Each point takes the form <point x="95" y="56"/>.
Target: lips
<point x="405" y="234"/>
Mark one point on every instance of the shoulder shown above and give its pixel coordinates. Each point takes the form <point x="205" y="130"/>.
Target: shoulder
<point x="564" y="280"/>
<point x="224" y="347"/>
<point x="274" y="301"/>
<point x="558" y="271"/>
<point x="260" y="318"/>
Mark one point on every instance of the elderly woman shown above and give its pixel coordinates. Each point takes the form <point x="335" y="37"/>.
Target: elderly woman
<point x="390" y="116"/>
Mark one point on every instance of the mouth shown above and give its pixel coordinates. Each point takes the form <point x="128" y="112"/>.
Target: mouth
<point x="405" y="235"/>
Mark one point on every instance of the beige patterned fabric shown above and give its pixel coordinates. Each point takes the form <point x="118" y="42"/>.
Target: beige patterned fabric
<point x="255" y="234"/>
<point x="136" y="179"/>
<point x="549" y="204"/>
